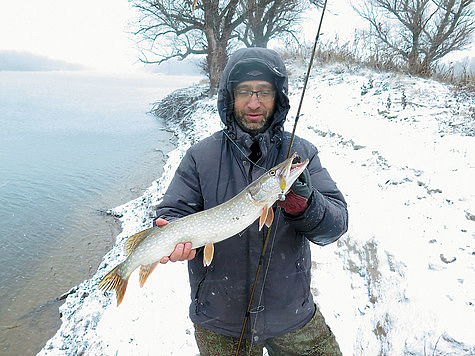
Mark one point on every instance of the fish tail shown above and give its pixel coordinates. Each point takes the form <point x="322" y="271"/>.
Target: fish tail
<point x="114" y="280"/>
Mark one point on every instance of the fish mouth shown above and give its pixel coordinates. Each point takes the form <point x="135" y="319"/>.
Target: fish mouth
<point x="293" y="168"/>
<point x="297" y="163"/>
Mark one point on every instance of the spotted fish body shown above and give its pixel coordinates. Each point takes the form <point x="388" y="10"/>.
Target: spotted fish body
<point x="204" y="228"/>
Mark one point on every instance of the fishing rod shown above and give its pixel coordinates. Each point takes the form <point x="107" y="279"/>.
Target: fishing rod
<point x="266" y="241"/>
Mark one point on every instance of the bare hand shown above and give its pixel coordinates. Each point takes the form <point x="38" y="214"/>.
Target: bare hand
<point x="182" y="252"/>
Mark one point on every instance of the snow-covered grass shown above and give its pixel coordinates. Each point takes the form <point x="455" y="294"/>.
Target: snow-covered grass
<point x="401" y="281"/>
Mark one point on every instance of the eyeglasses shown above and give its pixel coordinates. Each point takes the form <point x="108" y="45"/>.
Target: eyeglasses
<point x="262" y="95"/>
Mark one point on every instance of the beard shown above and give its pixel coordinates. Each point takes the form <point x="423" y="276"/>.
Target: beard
<point x="253" y="126"/>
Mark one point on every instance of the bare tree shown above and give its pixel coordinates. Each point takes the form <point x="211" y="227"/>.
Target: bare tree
<point x="420" y="32"/>
<point x="267" y="19"/>
<point x="176" y="29"/>
<point x="270" y="19"/>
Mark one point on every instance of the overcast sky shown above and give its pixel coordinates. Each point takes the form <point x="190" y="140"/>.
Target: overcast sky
<point x="88" y="32"/>
<point x="94" y="33"/>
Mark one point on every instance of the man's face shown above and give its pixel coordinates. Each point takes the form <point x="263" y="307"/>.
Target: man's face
<point x="252" y="110"/>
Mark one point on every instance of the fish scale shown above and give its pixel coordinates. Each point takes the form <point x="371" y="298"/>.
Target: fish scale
<point x="206" y="227"/>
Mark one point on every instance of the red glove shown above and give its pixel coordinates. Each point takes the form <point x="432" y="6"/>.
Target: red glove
<point x="296" y="200"/>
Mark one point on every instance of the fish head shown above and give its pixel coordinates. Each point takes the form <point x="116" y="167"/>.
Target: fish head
<point x="277" y="181"/>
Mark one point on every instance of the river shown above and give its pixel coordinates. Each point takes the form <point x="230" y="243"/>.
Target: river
<point x="72" y="146"/>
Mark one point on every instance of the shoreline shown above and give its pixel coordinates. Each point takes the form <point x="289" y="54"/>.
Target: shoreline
<point x="39" y="322"/>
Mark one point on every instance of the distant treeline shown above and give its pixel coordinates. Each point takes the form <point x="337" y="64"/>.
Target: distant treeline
<point x="26" y="61"/>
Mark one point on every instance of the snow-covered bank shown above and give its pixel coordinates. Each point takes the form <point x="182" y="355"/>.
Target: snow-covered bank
<point x="401" y="281"/>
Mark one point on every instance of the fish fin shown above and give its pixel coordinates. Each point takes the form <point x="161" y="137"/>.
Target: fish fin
<point x="262" y="218"/>
<point x="267" y="216"/>
<point x="113" y="280"/>
<point x="208" y="254"/>
<point x="145" y="271"/>
<point x="270" y="217"/>
<point x="135" y="240"/>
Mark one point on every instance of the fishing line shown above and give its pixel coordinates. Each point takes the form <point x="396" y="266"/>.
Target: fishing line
<point x="251" y="297"/>
<point x="239" y="148"/>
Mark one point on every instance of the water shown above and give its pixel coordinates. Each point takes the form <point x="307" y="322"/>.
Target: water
<point x="72" y="145"/>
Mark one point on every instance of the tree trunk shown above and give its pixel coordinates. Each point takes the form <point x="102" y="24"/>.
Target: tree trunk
<point x="413" y="60"/>
<point x="216" y="61"/>
<point x="259" y="39"/>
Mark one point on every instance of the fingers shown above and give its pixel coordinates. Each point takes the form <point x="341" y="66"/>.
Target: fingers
<point x="182" y="252"/>
<point x="191" y="255"/>
<point x="161" y="222"/>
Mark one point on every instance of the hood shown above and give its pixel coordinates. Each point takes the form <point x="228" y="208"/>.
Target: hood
<point x="274" y="63"/>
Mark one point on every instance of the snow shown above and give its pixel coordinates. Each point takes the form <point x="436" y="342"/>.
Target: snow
<point x="401" y="281"/>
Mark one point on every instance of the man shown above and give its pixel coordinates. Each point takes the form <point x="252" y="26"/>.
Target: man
<point x="253" y="104"/>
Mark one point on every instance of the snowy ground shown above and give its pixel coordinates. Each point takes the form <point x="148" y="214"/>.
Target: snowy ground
<point x="401" y="281"/>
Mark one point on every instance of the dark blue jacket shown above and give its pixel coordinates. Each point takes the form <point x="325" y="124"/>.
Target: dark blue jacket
<point x="213" y="171"/>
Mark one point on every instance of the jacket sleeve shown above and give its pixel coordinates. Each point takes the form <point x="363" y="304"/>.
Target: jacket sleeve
<point x="326" y="218"/>
<point x="183" y="196"/>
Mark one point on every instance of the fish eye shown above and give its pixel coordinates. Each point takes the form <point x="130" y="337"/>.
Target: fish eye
<point x="272" y="173"/>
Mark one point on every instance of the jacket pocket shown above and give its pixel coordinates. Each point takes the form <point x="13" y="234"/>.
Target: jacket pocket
<point x="199" y="289"/>
<point x="197" y="275"/>
<point x="303" y="276"/>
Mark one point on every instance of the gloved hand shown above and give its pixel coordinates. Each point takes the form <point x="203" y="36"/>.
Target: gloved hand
<point x="296" y="200"/>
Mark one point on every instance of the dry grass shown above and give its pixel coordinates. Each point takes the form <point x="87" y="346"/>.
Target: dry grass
<point x="362" y="52"/>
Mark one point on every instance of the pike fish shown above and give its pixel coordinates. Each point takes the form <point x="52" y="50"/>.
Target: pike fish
<point x="204" y="228"/>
